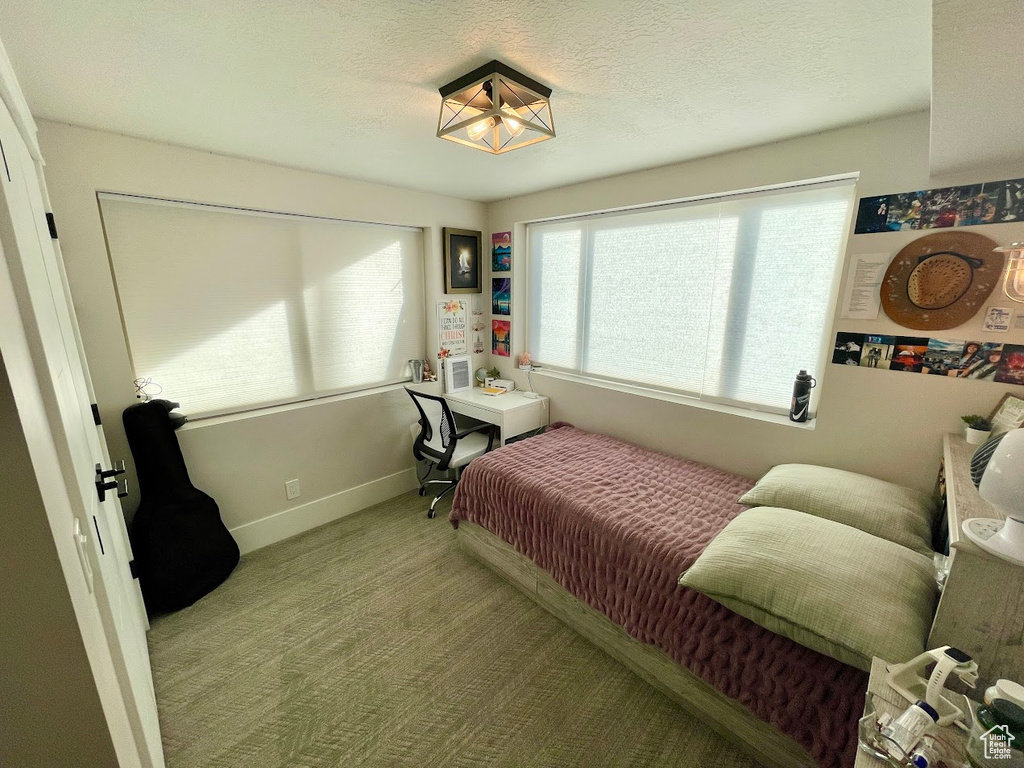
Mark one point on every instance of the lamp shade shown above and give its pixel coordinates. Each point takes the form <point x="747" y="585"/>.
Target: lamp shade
<point x="496" y="109"/>
<point x="1002" y="485"/>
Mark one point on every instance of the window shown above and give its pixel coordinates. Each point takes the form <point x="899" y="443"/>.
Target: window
<point x="228" y="310"/>
<point x="722" y="299"/>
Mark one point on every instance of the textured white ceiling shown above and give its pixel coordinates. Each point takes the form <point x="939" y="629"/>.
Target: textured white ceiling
<point x="978" y="84"/>
<point x="350" y="86"/>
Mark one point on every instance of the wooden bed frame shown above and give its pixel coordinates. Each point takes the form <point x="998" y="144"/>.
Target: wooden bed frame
<point x="728" y="718"/>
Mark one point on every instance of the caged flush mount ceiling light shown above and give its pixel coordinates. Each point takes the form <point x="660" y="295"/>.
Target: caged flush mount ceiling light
<point x="496" y="109"/>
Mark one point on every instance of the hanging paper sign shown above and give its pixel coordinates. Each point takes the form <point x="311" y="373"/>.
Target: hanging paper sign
<point x="451" y="326"/>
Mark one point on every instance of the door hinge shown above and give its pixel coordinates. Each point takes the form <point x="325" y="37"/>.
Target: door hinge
<point x="133" y="569"/>
<point x="51" y="224"/>
<point x="96" y="415"/>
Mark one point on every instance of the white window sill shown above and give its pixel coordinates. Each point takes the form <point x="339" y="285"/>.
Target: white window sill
<point x="692" y="402"/>
<point x="256" y="413"/>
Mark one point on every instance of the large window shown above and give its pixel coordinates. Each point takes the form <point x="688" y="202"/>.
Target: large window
<point x="723" y="299"/>
<point x="228" y="310"/>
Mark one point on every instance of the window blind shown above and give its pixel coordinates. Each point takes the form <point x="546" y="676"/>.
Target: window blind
<point x="722" y="299"/>
<point x="228" y="310"/>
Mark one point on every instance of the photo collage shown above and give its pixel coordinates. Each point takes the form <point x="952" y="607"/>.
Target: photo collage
<point x="982" y="361"/>
<point x="501" y="294"/>
<point x="994" y="202"/>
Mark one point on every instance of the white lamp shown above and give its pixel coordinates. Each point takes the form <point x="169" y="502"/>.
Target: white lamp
<point x="1003" y="486"/>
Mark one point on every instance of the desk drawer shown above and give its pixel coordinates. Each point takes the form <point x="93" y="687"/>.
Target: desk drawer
<point x="475" y="412"/>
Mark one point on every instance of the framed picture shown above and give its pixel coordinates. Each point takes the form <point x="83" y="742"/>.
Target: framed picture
<point x="1009" y="414"/>
<point x="501" y="252"/>
<point x="461" y="260"/>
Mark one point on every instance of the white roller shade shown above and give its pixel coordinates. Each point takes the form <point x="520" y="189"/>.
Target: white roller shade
<point x="228" y="310"/>
<point x="722" y="299"/>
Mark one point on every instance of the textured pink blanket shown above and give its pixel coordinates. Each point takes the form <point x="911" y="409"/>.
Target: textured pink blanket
<point x="616" y="525"/>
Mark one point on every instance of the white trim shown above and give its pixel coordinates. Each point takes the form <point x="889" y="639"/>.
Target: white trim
<point x="12" y="96"/>
<point x="171" y="202"/>
<point x="837" y="180"/>
<point x="669" y="397"/>
<point x="255" y="411"/>
<point x="291" y="522"/>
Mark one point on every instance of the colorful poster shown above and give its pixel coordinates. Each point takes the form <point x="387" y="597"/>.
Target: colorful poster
<point x="994" y="202"/>
<point x="848" y="348"/>
<point x="1011" y="371"/>
<point x="501" y="296"/>
<point x="451" y="326"/>
<point x="983" y="361"/>
<point x="501" y="338"/>
<point x="877" y="351"/>
<point x="942" y="358"/>
<point x="908" y="354"/>
<point x="501" y="252"/>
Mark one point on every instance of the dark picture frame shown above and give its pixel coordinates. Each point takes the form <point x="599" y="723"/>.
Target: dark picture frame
<point x="462" y="260"/>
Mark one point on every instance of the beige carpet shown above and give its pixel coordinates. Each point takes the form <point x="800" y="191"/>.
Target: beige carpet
<point x="375" y="641"/>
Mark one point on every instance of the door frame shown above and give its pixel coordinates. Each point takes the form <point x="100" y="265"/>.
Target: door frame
<point x="20" y="345"/>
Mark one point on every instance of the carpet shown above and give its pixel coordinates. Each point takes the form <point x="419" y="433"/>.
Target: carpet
<point x="375" y="641"/>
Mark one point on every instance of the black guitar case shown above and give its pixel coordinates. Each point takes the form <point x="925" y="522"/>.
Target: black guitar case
<point x="182" y="548"/>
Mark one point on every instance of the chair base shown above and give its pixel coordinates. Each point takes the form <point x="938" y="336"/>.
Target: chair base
<point x="449" y="486"/>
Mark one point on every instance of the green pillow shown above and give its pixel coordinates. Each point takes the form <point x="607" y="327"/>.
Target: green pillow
<point x="835" y="589"/>
<point x="890" y="511"/>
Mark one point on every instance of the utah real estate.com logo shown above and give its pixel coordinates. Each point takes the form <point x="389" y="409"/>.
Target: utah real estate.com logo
<point x="997" y="742"/>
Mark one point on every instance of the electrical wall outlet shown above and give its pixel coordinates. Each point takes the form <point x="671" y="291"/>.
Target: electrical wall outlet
<point x="291" y="489"/>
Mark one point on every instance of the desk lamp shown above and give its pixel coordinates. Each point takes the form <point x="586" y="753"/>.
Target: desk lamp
<point x="1003" y="486"/>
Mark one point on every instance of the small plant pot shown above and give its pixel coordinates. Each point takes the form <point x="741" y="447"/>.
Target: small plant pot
<point x="976" y="436"/>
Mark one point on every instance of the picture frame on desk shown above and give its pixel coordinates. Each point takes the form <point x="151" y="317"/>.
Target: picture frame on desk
<point x="462" y="260"/>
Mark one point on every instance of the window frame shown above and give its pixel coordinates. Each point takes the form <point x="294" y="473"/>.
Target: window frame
<point x="307" y="398"/>
<point x="707" y="401"/>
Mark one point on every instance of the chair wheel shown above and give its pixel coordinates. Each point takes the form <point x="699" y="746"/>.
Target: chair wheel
<point x="423" y="491"/>
<point x="430" y="515"/>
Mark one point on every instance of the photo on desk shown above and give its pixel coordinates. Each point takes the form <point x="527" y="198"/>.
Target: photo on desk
<point x="501" y="338"/>
<point x="501" y="296"/>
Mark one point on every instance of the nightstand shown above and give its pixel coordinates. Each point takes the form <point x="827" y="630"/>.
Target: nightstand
<point x="982" y="606"/>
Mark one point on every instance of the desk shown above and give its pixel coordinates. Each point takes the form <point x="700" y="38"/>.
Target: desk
<point x="513" y="413"/>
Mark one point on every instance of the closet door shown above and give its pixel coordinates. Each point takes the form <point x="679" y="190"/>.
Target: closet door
<point x="41" y="352"/>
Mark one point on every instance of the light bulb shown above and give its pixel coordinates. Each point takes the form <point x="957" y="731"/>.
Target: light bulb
<point x="479" y="128"/>
<point x="513" y="124"/>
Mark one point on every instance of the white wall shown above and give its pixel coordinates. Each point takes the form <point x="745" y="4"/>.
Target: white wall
<point x="348" y="452"/>
<point x="881" y="423"/>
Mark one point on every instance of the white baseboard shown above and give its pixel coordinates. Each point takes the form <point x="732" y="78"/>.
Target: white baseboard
<point x="290" y="522"/>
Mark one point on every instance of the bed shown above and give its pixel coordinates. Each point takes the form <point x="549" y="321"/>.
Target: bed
<point x="598" y="532"/>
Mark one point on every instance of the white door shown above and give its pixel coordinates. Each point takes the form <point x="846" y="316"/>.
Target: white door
<point x="37" y="278"/>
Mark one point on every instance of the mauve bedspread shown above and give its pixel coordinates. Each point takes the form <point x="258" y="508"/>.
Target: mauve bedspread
<point x="615" y="525"/>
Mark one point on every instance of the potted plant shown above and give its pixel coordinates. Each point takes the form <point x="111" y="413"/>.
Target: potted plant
<point x="977" y="429"/>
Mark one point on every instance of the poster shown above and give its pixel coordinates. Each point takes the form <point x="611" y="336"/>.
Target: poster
<point x="501" y="341"/>
<point x="908" y="354"/>
<point x="942" y="358"/>
<point x="877" y="351"/>
<point x="848" y="348"/>
<point x="501" y="252"/>
<point x="451" y="326"/>
<point x="997" y="319"/>
<point x="862" y="300"/>
<point x="994" y="202"/>
<point x="1011" y="371"/>
<point x="501" y="296"/>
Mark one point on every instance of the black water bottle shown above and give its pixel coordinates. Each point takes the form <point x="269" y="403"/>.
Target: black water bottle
<point x="801" y="396"/>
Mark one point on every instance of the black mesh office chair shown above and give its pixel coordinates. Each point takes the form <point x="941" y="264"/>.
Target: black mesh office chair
<point x="441" y="443"/>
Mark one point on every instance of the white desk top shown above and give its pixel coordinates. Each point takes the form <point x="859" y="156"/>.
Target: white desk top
<point x="475" y="396"/>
